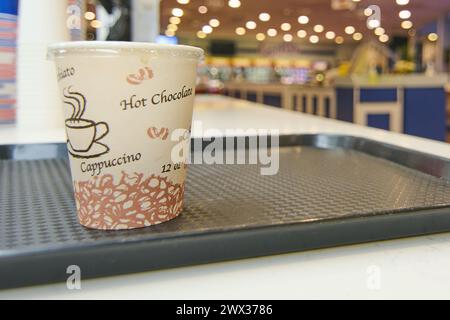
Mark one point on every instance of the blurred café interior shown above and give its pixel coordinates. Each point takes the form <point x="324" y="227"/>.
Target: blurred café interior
<point x="377" y="63"/>
<point x="330" y="69"/>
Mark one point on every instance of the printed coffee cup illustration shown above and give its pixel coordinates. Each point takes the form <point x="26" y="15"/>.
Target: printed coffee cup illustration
<point x="83" y="135"/>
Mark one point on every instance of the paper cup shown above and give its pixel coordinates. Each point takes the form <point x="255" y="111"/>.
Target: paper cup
<point x="128" y="109"/>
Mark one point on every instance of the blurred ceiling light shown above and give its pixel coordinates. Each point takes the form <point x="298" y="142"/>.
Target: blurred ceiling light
<point x="379" y="31"/>
<point x="368" y="12"/>
<point x="358" y="36"/>
<point x="303" y="19"/>
<point x="203" y="9"/>
<point x="350" y="30"/>
<point x="356" y="0"/>
<point x="433" y="37"/>
<point x="207" y="29"/>
<point x="402" y="2"/>
<point x="240" y="31"/>
<point x="201" y="35"/>
<point x="330" y="35"/>
<point x="339" y="40"/>
<point x="172" y="27"/>
<point x="272" y="32"/>
<point x="175" y="20"/>
<point x="234" y="3"/>
<point x="404" y="14"/>
<point x="384" y="38"/>
<point x="264" y="16"/>
<point x="314" y="39"/>
<point x="214" y="23"/>
<point x="407" y="24"/>
<point x="374" y="23"/>
<point x="260" y="37"/>
<point x="96" y="24"/>
<point x="170" y="33"/>
<point x="319" y="28"/>
<point x="177" y="12"/>
<point x="251" y="25"/>
<point x="286" y="26"/>
<point x="302" y="34"/>
<point x="89" y="15"/>
<point x="288" y="37"/>
<point x="183" y="1"/>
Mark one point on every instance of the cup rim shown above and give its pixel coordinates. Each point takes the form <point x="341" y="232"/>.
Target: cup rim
<point x="61" y="48"/>
<point x="89" y="123"/>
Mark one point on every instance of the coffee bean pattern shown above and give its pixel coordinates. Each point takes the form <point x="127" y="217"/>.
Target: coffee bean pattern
<point x="155" y="133"/>
<point x="143" y="74"/>
<point x="134" y="202"/>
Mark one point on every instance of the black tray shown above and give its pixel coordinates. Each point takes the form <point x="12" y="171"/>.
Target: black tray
<point x="330" y="191"/>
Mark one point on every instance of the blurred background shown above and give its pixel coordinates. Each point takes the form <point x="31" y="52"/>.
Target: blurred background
<point x="379" y="63"/>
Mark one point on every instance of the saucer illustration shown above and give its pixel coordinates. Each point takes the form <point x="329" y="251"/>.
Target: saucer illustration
<point x="83" y="134"/>
<point x="97" y="149"/>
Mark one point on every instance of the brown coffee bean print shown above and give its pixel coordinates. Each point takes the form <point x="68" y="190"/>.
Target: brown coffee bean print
<point x="133" y="202"/>
<point x="155" y="133"/>
<point x="145" y="73"/>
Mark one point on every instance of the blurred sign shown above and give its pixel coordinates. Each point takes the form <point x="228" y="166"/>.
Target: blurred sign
<point x="285" y="48"/>
<point x="8" y="36"/>
<point x="342" y="5"/>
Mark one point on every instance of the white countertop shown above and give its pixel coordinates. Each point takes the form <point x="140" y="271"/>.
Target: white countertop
<point x="409" y="268"/>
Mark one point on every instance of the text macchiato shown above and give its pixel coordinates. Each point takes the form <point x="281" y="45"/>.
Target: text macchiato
<point x="68" y="72"/>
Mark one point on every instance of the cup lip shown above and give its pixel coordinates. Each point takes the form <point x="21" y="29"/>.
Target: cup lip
<point x="61" y="48"/>
<point x="89" y="123"/>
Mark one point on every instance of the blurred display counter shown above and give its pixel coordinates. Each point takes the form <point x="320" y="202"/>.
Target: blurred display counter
<point x="308" y="99"/>
<point x="447" y="89"/>
<point x="411" y="104"/>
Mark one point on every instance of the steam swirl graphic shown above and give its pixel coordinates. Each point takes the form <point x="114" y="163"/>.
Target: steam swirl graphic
<point x="77" y="101"/>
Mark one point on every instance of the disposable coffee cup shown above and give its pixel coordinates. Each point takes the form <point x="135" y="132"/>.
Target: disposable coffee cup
<point x="128" y="109"/>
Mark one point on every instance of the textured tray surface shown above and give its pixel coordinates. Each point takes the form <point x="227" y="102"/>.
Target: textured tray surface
<point x="37" y="208"/>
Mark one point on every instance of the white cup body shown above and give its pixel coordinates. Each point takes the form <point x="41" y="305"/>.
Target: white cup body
<point x="133" y="103"/>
